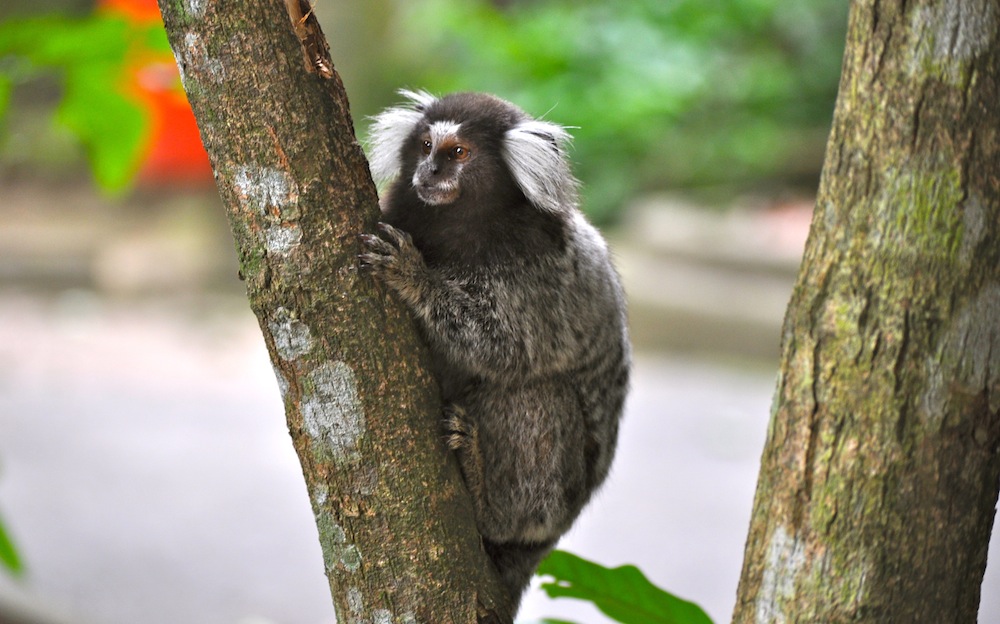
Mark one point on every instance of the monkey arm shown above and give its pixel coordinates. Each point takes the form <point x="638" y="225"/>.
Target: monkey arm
<point x="488" y="322"/>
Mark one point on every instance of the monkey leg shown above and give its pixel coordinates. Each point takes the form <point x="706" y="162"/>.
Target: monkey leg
<point x="463" y="438"/>
<point x="522" y="454"/>
<point x="516" y="564"/>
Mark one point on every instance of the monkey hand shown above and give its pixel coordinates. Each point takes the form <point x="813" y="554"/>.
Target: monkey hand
<point x="395" y="260"/>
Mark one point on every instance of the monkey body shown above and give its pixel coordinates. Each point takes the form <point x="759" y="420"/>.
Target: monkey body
<point x="514" y="292"/>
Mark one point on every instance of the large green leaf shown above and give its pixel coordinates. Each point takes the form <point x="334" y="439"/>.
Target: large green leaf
<point x="622" y="593"/>
<point x="8" y="555"/>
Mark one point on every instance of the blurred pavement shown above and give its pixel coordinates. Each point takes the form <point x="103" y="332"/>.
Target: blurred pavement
<point x="147" y="475"/>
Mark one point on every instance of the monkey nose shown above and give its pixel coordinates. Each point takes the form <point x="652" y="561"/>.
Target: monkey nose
<point x="429" y="167"/>
<point x="425" y="177"/>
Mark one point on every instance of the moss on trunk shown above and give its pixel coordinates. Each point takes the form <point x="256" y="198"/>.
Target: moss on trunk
<point x="879" y="478"/>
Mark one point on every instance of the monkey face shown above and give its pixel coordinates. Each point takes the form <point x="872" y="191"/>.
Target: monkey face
<point x="442" y="156"/>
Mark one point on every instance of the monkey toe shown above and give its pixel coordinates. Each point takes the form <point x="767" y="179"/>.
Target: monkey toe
<point x="457" y="441"/>
<point x="460" y="432"/>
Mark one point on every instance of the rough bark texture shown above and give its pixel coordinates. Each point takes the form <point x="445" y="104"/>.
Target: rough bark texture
<point x="395" y="522"/>
<point x="880" y="473"/>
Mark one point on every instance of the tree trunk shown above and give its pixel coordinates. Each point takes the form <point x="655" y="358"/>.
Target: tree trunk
<point x="880" y="473"/>
<point x="395" y="522"/>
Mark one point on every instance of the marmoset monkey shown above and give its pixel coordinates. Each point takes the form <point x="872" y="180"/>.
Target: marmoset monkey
<point x="515" y="294"/>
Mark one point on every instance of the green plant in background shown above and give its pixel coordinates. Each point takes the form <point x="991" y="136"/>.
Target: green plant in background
<point x="8" y="554"/>
<point x="623" y="594"/>
<point x="90" y="56"/>
<point x="663" y="94"/>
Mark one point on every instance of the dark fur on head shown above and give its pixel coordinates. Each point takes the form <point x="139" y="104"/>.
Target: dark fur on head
<point x="516" y="296"/>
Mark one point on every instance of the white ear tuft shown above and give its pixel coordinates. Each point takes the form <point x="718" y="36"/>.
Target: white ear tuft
<point x="534" y="152"/>
<point x="389" y="130"/>
<point x="421" y="99"/>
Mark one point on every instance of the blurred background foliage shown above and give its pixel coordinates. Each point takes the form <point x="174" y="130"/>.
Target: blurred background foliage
<point x="682" y="94"/>
<point x="91" y="56"/>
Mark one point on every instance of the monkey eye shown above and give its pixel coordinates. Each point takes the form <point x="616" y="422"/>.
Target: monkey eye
<point x="426" y="147"/>
<point x="458" y="153"/>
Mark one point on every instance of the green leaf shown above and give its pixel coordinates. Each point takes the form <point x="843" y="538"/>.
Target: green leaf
<point x="57" y="41"/>
<point x="6" y="86"/>
<point x="155" y="38"/>
<point x="8" y="555"/>
<point x="622" y="593"/>
<point x="112" y="127"/>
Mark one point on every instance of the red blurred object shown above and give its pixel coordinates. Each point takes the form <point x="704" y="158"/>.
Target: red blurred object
<point x="141" y="11"/>
<point x="174" y="153"/>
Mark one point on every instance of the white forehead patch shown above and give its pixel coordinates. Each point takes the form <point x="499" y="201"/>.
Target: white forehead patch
<point x="440" y="130"/>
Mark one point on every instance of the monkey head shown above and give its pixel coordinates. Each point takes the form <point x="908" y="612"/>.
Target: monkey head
<point x="471" y="147"/>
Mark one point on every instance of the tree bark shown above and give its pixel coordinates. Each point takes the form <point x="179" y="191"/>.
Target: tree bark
<point x="395" y="522"/>
<point x="879" y="478"/>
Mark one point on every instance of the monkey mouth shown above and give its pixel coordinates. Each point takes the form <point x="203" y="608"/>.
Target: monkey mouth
<point x="437" y="194"/>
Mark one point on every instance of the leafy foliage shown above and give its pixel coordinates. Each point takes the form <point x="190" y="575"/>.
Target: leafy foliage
<point x="8" y="554"/>
<point x="622" y="593"/>
<point x="662" y="93"/>
<point x="680" y="93"/>
<point x="91" y="56"/>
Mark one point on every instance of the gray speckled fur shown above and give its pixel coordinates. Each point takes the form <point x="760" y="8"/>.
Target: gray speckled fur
<point x="515" y="293"/>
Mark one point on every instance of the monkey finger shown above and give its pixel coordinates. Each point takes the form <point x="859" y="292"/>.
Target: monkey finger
<point x="399" y="237"/>
<point x="370" y="260"/>
<point x="377" y="245"/>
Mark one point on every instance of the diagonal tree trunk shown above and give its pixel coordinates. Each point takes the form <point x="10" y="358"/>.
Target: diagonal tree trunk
<point x="395" y="522"/>
<point x="880" y="474"/>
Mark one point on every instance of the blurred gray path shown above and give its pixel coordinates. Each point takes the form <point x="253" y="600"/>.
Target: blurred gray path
<point x="148" y="477"/>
